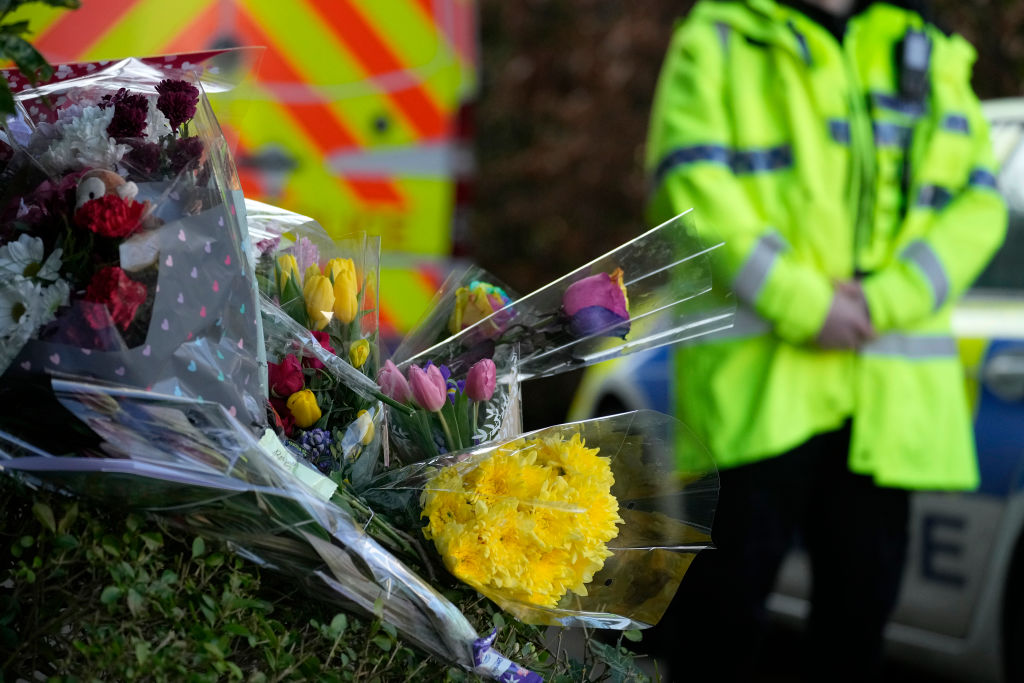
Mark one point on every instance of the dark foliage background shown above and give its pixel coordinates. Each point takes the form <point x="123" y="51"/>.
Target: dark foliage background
<point x="560" y="123"/>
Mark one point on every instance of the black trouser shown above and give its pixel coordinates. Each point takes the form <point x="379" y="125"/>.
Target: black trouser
<point x="856" y="536"/>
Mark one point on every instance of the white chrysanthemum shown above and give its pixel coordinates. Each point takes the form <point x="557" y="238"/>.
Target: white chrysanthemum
<point x="157" y="124"/>
<point x="20" y="306"/>
<point x="53" y="297"/>
<point x="82" y="141"/>
<point x="25" y="257"/>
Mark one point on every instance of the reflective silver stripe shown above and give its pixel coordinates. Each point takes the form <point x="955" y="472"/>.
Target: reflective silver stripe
<point x="739" y="161"/>
<point x="956" y="123"/>
<point x="723" y="35"/>
<point x="907" y="346"/>
<point x="896" y="103"/>
<point x="934" y="197"/>
<point x="924" y="257"/>
<point x="839" y="130"/>
<point x="891" y="134"/>
<point x="754" y="272"/>
<point x="981" y="177"/>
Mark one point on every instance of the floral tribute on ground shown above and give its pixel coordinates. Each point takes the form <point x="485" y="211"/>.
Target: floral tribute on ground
<point x="139" y="371"/>
<point x="122" y="236"/>
<point x="174" y="347"/>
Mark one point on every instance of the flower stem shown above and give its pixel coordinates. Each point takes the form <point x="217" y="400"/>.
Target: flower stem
<point x="408" y="411"/>
<point x="476" y="410"/>
<point x="447" y="432"/>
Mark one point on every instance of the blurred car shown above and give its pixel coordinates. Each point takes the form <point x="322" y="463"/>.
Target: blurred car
<point x="961" y="610"/>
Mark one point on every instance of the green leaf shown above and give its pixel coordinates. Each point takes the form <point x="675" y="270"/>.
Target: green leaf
<point x="66" y="4"/>
<point x="383" y="642"/>
<point x="633" y="634"/>
<point x="141" y="652"/>
<point x="198" y="547"/>
<point x="497" y="620"/>
<point x="135" y="602"/>
<point x="152" y="539"/>
<point x="237" y="630"/>
<point x="6" y="98"/>
<point x="27" y="58"/>
<point x="111" y="594"/>
<point x="17" y="28"/>
<point x="44" y="513"/>
<point x="338" y="625"/>
<point x="65" y="542"/>
<point x="68" y="519"/>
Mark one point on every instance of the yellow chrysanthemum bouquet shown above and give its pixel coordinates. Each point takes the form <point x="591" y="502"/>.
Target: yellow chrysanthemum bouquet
<point x="586" y="524"/>
<point x="532" y="519"/>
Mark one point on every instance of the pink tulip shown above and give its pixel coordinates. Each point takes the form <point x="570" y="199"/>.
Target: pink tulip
<point x="393" y="383"/>
<point x="428" y="387"/>
<point x="481" y="380"/>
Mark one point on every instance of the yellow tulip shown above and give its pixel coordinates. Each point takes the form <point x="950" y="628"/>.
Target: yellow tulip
<point x="343" y="268"/>
<point x="359" y="352"/>
<point x="312" y="270"/>
<point x="365" y="421"/>
<point x="302" y="405"/>
<point x="319" y="296"/>
<point x="289" y="268"/>
<point x="346" y="289"/>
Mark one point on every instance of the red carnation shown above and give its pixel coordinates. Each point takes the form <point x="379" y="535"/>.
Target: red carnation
<point x="285" y="378"/>
<point x="177" y="101"/>
<point x="110" y="216"/>
<point x="312" y="361"/>
<point x="130" y="111"/>
<point x="122" y="296"/>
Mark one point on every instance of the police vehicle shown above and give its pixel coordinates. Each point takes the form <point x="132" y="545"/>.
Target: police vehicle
<point x="961" y="610"/>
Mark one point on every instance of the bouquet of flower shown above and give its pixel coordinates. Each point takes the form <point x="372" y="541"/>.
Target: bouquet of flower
<point x="321" y="330"/>
<point x="193" y="462"/>
<point x="651" y="291"/>
<point x="586" y="524"/>
<point x="446" y="412"/>
<point x="122" y="239"/>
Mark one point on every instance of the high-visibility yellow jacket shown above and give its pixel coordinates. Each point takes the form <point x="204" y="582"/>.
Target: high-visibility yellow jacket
<point x="802" y="154"/>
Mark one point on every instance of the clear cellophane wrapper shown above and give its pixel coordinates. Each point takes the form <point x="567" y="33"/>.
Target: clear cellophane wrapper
<point x="339" y="365"/>
<point x="193" y="317"/>
<point x="199" y="468"/>
<point x="651" y="291"/>
<point x="416" y="434"/>
<point x="603" y="505"/>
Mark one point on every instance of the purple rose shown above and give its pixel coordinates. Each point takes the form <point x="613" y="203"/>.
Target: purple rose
<point x="597" y="305"/>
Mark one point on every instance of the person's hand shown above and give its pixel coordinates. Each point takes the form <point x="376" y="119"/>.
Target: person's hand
<point x="848" y="323"/>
